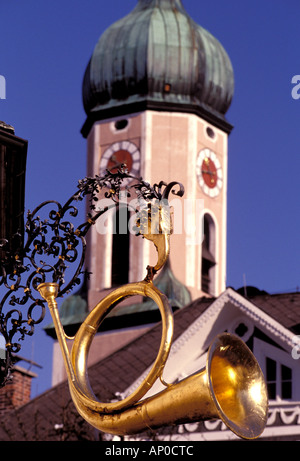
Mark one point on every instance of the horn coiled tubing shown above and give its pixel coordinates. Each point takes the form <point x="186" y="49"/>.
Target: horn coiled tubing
<point x="101" y="415"/>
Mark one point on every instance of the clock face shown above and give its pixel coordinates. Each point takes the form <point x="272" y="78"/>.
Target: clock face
<point x="119" y="153"/>
<point x="209" y="172"/>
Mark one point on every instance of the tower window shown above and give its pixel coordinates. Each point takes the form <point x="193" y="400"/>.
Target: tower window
<point x="208" y="255"/>
<point x="121" y="124"/>
<point x="210" y="132"/>
<point x="120" y="248"/>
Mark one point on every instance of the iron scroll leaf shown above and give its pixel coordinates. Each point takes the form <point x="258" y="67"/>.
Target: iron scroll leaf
<point x="54" y="250"/>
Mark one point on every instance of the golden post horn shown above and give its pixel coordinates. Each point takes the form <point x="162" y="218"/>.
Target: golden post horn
<point x="231" y="387"/>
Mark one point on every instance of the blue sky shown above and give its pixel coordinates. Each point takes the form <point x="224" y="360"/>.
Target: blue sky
<point x="45" y="47"/>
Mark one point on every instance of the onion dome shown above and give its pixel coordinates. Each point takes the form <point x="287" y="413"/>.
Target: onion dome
<point x="157" y="57"/>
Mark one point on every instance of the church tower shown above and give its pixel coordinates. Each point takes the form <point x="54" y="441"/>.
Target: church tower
<point x="156" y="91"/>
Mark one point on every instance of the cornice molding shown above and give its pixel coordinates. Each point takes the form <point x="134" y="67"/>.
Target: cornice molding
<point x="260" y="317"/>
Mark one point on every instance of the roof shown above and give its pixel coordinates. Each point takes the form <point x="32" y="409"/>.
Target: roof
<point x="54" y="407"/>
<point x="157" y="57"/>
<point x="284" y="308"/>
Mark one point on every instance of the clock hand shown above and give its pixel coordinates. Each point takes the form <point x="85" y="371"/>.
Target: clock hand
<point x="209" y="172"/>
<point x="117" y="164"/>
<point x="212" y="175"/>
<point x="114" y="159"/>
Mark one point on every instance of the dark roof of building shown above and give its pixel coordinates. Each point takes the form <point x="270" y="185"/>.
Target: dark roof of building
<point x="4" y="126"/>
<point x="284" y="308"/>
<point x="43" y="417"/>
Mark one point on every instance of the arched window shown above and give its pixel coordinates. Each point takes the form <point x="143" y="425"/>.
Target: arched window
<point x="120" y="247"/>
<point x="208" y="255"/>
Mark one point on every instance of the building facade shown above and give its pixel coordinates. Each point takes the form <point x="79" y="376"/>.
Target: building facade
<point x="156" y="91"/>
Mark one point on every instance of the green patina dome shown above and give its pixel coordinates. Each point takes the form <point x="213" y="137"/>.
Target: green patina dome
<point x="157" y="57"/>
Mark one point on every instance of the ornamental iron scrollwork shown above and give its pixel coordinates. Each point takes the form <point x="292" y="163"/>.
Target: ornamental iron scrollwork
<point x="53" y="244"/>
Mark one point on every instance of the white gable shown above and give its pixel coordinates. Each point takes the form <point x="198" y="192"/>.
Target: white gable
<point x="226" y="313"/>
<point x="232" y="313"/>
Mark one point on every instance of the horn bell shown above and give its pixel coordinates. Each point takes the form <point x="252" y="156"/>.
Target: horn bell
<point x="237" y="386"/>
<point x="231" y="387"/>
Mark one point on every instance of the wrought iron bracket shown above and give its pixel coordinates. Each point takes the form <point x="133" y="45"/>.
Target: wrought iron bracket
<point x="53" y="245"/>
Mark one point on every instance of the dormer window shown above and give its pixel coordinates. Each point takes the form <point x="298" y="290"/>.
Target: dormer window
<point x="279" y="380"/>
